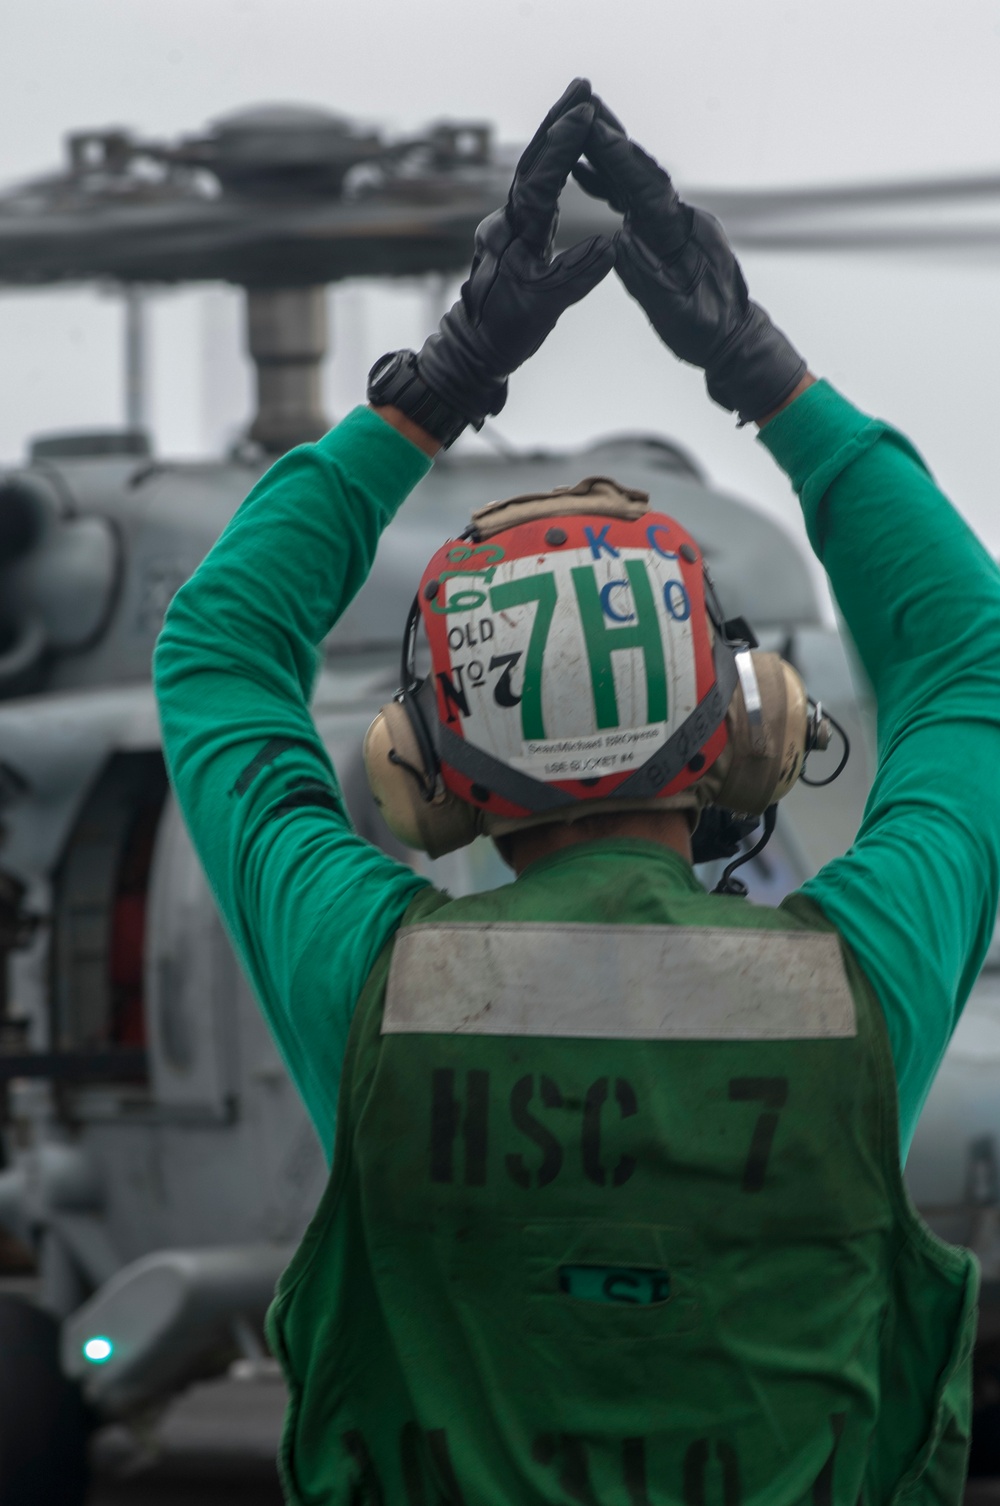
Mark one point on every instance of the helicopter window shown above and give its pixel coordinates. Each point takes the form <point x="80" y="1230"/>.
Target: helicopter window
<point x="99" y="912"/>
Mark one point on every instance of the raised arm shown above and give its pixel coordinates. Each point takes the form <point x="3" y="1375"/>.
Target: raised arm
<point x="916" y="895"/>
<point x="234" y="670"/>
<point x="307" y="902"/>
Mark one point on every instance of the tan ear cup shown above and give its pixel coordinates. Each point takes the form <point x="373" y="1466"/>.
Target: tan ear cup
<point x="434" y="826"/>
<point x="767" y="722"/>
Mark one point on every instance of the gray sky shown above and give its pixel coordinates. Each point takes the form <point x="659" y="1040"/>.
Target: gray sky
<point x="725" y="92"/>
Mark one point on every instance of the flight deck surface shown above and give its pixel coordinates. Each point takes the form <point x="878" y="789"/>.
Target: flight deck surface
<point x="214" y="1446"/>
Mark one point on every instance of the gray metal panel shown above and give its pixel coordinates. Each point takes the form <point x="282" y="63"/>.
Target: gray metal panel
<point x="168" y="516"/>
<point x="757" y="567"/>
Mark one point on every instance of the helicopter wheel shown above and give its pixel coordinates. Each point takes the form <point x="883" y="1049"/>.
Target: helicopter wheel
<point x="44" y="1421"/>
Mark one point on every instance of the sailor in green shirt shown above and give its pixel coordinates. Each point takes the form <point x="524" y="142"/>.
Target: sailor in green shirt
<point x="616" y="1213"/>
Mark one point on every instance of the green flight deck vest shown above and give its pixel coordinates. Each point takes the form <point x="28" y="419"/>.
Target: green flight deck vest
<point x="616" y="1218"/>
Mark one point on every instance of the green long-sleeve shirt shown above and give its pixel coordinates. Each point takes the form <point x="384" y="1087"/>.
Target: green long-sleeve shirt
<point x="310" y="904"/>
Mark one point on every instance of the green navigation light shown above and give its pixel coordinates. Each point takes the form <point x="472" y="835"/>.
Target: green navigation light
<point x="98" y="1350"/>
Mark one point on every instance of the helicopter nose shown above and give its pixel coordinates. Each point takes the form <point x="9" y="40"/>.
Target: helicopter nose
<point x="59" y="574"/>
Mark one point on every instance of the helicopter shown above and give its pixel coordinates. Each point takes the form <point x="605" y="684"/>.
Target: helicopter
<point x="156" y="1159"/>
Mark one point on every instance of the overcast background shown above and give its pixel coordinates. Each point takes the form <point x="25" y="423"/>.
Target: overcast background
<point x="725" y="92"/>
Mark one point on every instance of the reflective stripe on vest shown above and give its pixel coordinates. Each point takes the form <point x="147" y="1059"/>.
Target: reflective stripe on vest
<point x="618" y="983"/>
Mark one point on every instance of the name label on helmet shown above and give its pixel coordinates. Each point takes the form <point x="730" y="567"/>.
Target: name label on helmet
<point x="618" y="983"/>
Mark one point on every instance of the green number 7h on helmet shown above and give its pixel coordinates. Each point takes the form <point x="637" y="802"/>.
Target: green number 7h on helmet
<point x="580" y="663"/>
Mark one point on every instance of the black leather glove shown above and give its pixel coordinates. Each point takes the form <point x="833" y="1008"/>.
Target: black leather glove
<point x="516" y="291"/>
<point x="676" y="262"/>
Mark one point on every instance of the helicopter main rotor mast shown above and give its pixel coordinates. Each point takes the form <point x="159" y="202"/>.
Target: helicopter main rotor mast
<point x="287" y="330"/>
<point x="134" y="301"/>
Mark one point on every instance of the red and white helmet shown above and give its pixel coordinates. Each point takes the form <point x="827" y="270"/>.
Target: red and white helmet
<point x="573" y="657"/>
<point x="579" y="663"/>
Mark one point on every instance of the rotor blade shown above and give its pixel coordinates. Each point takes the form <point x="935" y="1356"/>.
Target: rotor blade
<point x="756" y="202"/>
<point x="959" y="239"/>
<point x="952" y="216"/>
<point x="934" y="215"/>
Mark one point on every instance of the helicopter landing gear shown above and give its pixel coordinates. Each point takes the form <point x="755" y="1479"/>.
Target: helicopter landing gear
<point x="44" y="1422"/>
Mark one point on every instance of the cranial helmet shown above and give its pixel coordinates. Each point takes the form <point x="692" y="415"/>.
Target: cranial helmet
<point x="579" y="663"/>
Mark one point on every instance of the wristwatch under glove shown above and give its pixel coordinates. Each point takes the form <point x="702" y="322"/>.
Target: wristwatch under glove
<point x="513" y="296"/>
<point x="676" y="262"/>
<point x="394" y="381"/>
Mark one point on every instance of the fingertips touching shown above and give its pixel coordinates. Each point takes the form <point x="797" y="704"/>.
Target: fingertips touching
<point x="576" y="93"/>
<point x="535" y="192"/>
<point x="564" y="141"/>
